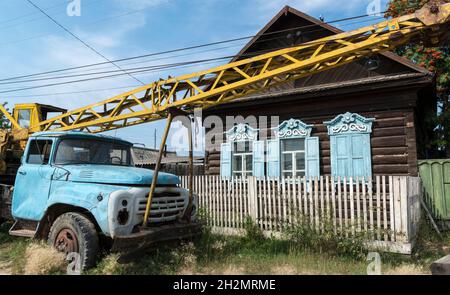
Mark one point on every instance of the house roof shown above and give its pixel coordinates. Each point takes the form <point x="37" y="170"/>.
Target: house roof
<point x="416" y="77"/>
<point x="393" y="67"/>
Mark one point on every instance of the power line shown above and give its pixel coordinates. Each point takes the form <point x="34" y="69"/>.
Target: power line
<point x="73" y="92"/>
<point x="79" y="39"/>
<point x="127" y="70"/>
<point x="180" y="49"/>
<point x="90" y="71"/>
<point x="139" y="70"/>
<point x="93" y="79"/>
<point x="138" y="62"/>
<point x="159" y="66"/>
<point x="154" y="69"/>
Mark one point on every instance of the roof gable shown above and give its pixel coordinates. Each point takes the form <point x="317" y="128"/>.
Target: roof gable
<point x="291" y="27"/>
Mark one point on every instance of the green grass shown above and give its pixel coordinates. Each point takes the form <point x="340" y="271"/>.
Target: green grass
<point x="12" y="251"/>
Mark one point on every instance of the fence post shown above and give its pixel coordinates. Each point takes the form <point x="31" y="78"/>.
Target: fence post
<point x="413" y="207"/>
<point x="252" y="198"/>
<point x="401" y="208"/>
<point x="404" y="207"/>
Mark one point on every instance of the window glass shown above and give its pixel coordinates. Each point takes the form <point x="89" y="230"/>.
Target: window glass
<point x="88" y="151"/>
<point x="237" y="162"/>
<point x="248" y="162"/>
<point x="295" y="144"/>
<point x="242" y="159"/>
<point x="300" y="161"/>
<point x="293" y="162"/>
<point x="287" y="161"/>
<point x="39" y="152"/>
<point x="24" y="118"/>
<point x="242" y="147"/>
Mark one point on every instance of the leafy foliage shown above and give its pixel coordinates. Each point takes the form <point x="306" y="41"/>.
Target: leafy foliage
<point x="436" y="60"/>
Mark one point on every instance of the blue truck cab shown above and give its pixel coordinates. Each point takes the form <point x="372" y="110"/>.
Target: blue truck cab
<point x="75" y="189"/>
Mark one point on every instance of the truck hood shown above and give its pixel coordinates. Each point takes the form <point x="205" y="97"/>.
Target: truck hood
<point x="108" y="174"/>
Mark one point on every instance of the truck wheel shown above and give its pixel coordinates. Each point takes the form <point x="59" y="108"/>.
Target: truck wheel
<point x="74" y="233"/>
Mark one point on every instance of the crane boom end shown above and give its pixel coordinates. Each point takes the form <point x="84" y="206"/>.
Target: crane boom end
<point x="434" y="13"/>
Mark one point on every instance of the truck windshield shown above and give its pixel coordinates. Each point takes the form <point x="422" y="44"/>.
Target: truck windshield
<point x="87" y="151"/>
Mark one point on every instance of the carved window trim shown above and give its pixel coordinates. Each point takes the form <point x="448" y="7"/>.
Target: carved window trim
<point x="242" y="132"/>
<point x="349" y="123"/>
<point x="293" y="128"/>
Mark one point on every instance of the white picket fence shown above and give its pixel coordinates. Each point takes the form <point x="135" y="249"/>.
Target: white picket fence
<point x="386" y="209"/>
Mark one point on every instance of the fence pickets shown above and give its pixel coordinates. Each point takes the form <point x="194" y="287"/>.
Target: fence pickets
<point x="385" y="207"/>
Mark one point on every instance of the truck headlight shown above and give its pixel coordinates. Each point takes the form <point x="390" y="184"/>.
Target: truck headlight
<point x="123" y="216"/>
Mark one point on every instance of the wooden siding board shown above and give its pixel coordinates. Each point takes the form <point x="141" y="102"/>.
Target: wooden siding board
<point x="393" y="142"/>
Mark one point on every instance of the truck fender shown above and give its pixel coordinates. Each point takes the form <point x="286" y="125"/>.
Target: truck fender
<point x="56" y="210"/>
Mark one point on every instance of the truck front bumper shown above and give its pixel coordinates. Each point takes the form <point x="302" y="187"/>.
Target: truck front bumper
<point x="147" y="236"/>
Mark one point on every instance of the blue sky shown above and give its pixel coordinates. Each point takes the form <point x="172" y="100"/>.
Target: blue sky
<point x="31" y="43"/>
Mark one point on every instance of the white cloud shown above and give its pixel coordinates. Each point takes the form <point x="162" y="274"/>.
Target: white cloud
<point x="140" y="4"/>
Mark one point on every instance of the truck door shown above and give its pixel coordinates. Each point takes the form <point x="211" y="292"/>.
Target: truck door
<point x="33" y="181"/>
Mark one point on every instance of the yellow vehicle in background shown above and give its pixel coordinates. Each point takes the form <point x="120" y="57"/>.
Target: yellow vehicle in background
<point x="24" y="121"/>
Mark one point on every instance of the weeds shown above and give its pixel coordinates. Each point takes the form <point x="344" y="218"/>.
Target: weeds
<point x="430" y="246"/>
<point x="41" y="259"/>
<point x="327" y="240"/>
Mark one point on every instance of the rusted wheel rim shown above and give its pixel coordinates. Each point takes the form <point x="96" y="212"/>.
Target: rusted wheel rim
<point x="66" y="241"/>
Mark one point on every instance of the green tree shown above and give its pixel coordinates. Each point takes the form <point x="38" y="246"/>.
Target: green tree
<point x="436" y="60"/>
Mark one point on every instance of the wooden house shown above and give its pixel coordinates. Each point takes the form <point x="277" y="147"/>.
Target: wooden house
<point x="362" y="119"/>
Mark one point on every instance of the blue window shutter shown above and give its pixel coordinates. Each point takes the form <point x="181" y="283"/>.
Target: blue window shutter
<point x="312" y="157"/>
<point x="340" y="156"/>
<point x="333" y="157"/>
<point x="273" y="158"/>
<point x="225" y="159"/>
<point x="361" y="155"/>
<point x="351" y="155"/>
<point x="258" y="158"/>
<point x="367" y="155"/>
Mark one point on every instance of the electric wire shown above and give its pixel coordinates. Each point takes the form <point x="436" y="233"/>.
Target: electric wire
<point x="180" y="49"/>
<point x="154" y="69"/>
<point x="150" y="60"/>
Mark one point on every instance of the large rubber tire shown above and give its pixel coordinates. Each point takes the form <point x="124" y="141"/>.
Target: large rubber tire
<point x="78" y="229"/>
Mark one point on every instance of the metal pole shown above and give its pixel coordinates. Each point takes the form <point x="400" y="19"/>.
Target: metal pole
<point x="158" y="165"/>
<point x="187" y="215"/>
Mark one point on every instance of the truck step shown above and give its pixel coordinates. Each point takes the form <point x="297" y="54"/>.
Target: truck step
<point x="23" y="228"/>
<point x="25" y="233"/>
